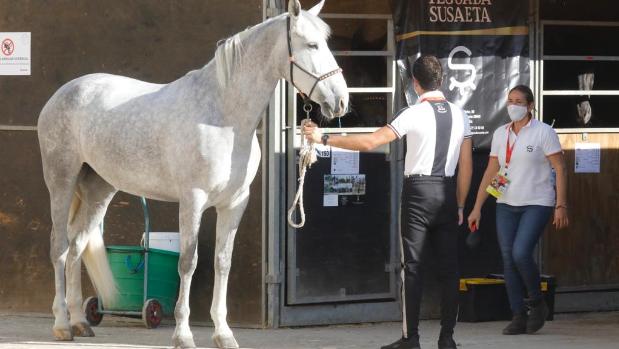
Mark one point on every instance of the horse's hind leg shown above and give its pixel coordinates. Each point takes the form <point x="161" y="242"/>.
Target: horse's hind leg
<point x="228" y="219"/>
<point x="60" y="178"/>
<point x="95" y="196"/>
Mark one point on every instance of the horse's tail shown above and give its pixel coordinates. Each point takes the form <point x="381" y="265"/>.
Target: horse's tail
<point x="95" y="259"/>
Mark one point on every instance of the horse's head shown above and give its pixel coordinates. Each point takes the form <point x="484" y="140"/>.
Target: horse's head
<point x="313" y="70"/>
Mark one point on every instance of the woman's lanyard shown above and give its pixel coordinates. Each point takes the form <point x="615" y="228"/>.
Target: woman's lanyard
<point x="509" y="150"/>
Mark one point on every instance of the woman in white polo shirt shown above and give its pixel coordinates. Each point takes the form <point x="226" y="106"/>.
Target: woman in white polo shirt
<point x="519" y="175"/>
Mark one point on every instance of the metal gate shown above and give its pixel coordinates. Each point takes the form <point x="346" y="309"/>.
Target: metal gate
<point x="340" y="267"/>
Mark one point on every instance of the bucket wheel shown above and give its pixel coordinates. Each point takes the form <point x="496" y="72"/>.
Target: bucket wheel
<point x="91" y="310"/>
<point x="152" y="313"/>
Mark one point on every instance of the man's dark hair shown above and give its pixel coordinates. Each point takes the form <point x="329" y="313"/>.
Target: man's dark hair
<point x="428" y="72"/>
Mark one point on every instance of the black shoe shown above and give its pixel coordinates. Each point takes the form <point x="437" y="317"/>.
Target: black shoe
<point x="404" y="343"/>
<point x="518" y="324"/>
<point x="446" y="342"/>
<point x="538" y="312"/>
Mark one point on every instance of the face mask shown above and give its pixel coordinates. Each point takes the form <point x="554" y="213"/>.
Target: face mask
<point x="516" y="112"/>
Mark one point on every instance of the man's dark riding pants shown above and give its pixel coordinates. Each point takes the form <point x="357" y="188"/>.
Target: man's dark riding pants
<point x="429" y="220"/>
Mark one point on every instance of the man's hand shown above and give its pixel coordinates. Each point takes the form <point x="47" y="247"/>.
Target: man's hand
<point x="312" y="132"/>
<point x="460" y="215"/>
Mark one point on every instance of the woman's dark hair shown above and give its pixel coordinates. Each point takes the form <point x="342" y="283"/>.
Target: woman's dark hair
<point x="428" y="72"/>
<point x="526" y="91"/>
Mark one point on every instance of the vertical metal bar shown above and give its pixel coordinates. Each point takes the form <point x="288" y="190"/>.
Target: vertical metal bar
<point x="539" y="84"/>
<point x="272" y="177"/>
<point x="394" y="168"/>
<point x="99" y="306"/>
<point x="290" y="125"/>
<point x="146" y="245"/>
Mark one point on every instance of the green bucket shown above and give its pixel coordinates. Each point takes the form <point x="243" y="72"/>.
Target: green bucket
<point x="127" y="264"/>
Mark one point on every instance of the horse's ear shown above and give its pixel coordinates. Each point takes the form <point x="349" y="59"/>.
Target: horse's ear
<point x="316" y="9"/>
<point x="294" y="8"/>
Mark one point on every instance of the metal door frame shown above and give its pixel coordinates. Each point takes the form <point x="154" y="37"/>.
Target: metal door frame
<point x="277" y="140"/>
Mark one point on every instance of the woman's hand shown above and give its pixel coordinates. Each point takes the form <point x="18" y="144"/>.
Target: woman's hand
<point x="311" y="132"/>
<point x="474" y="219"/>
<point x="560" y="220"/>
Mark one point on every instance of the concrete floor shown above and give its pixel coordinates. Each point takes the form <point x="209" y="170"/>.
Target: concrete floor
<point x="567" y="331"/>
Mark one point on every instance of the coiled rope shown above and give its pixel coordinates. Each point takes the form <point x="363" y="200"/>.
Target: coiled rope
<point x="307" y="156"/>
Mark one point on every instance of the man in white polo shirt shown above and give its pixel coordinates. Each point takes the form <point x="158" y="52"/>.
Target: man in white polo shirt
<point x="438" y="140"/>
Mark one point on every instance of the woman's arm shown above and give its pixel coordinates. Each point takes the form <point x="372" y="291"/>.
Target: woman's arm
<point x="560" y="217"/>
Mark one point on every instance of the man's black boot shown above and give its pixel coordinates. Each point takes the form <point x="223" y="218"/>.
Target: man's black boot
<point x="518" y="324"/>
<point x="538" y="312"/>
<point x="404" y="343"/>
<point x="446" y="342"/>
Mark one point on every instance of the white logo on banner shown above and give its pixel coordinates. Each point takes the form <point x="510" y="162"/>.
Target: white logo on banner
<point x="470" y="82"/>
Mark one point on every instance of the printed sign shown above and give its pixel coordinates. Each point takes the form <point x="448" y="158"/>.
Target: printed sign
<point x="588" y="156"/>
<point x="344" y="161"/>
<point x="14" y="53"/>
<point x="344" y="184"/>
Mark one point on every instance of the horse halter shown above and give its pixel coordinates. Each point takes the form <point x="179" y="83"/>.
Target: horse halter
<point x="293" y="63"/>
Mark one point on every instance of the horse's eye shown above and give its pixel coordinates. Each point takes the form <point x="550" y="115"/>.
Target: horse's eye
<point x="313" y="45"/>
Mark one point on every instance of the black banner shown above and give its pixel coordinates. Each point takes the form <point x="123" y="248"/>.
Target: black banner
<point x="483" y="46"/>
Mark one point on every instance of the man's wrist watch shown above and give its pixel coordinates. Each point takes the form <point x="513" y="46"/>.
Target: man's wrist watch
<point x="324" y="139"/>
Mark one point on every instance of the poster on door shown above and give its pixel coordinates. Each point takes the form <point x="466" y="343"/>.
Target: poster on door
<point x="483" y="46"/>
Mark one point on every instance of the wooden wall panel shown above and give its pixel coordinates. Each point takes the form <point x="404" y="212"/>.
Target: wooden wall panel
<point x="157" y="41"/>
<point x="587" y="253"/>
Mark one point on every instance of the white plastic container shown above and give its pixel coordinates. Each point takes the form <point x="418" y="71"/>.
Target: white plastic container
<point x="168" y="241"/>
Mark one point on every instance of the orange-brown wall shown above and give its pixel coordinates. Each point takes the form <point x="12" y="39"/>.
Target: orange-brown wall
<point x="153" y="40"/>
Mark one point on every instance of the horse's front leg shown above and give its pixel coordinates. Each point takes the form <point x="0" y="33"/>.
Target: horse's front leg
<point x="228" y="219"/>
<point x="191" y="208"/>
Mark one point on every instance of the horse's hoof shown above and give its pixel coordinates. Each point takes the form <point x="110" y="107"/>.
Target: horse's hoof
<point x="225" y="342"/>
<point x="63" y="334"/>
<point x="184" y="343"/>
<point x="82" y="330"/>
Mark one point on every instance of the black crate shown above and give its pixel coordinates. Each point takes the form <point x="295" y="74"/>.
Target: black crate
<point x="483" y="299"/>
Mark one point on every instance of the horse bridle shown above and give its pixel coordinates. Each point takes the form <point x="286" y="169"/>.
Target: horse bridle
<point x="293" y="63"/>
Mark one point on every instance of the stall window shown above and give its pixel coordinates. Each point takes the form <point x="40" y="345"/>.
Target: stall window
<point x="363" y="47"/>
<point x="580" y="86"/>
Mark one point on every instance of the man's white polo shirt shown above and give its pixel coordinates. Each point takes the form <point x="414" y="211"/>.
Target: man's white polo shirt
<point x="434" y="130"/>
<point x="529" y="168"/>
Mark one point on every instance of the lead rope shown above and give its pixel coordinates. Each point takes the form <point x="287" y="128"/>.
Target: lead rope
<point x="307" y="156"/>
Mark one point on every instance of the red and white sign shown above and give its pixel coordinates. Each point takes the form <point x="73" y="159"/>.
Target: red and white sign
<point x="15" y="53"/>
<point x="8" y="47"/>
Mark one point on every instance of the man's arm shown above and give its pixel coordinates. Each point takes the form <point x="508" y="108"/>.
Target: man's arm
<point x="362" y="142"/>
<point x="465" y="171"/>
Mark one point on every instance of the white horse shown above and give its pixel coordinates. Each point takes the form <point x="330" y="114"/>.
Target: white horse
<point x="192" y="141"/>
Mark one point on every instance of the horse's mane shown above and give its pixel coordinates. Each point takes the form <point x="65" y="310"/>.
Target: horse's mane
<point x="229" y="53"/>
<point x="228" y="57"/>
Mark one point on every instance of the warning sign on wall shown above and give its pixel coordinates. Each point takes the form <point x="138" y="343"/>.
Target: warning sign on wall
<point x="14" y="53"/>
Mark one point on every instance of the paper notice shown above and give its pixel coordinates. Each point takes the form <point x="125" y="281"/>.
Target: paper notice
<point x="329" y="200"/>
<point x="344" y="161"/>
<point x="14" y="53"/>
<point x="588" y="156"/>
